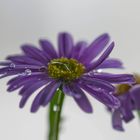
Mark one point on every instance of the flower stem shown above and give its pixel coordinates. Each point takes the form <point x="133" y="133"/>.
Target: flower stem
<point x="138" y="113"/>
<point x="55" y="114"/>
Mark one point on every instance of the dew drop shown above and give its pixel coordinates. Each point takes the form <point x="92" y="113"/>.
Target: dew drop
<point x="56" y="108"/>
<point x="12" y="65"/>
<point x="28" y="72"/>
<point x="99" y="89"/>
<point x="110" y="92"/>
<point x="99" y="70"/>
<point x="42" y="69"/>
<point x="57" y="89"/>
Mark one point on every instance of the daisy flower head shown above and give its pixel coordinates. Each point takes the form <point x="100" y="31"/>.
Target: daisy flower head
<point x="129" y="97"/>
<point x="74" y="67"/>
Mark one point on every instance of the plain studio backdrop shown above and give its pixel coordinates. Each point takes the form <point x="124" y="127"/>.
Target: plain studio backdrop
<point x="24" y="21"/>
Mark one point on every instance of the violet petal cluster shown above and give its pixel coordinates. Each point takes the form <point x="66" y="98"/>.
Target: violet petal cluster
<point x="130" y="102"/>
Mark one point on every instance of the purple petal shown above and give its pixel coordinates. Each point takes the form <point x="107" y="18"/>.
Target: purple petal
<point x="22" y="66"/>
<point x="5" y="63"/>
<point x="19" y="59"/>
<point x="4" y="70"/>
<point x="67" y="90"/>
<point x="98" y="83"/>
<point x="65" y="43"/>
<point x="37" y="75"/>
<point x="110" y="63"/>
<point x="117" y="120"/>
<point x="37" y="101"/>
<point x="135" y="95"/>
<point x="14" y="85"/>
<point x="78" y="50"/>
<point x="104" y="97"/>
<point x="9" y="74"/>
<point x="48" y="49"/>
<point x="82" y="101"/>
<point x="24" y="88"/>
<point x="7" y="71"/>
<point x="126" y="107"/>
<point x="115" y="78"/>
<point x="95" y="48"/>
<point x="27" y="93"/>
<point x="35" y="53"/>
<point x="101" y="58"/>
<point x="50" y="91"/>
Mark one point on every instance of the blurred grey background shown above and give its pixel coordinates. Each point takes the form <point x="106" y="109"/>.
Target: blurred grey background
<point x="23" y="21"/>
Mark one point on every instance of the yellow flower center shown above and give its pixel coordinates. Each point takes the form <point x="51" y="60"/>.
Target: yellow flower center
<point x="122" y="89"/>
<point x="137" y="78"/>
<point x="65" y="69"/>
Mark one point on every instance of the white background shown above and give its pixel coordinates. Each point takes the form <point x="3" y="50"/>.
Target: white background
<point x="23" y="21"/>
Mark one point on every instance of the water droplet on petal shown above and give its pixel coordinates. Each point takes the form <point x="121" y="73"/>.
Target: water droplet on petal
<point x="12" y="65"/>
<point x="110" y="92"/>
<point x="99" y="70"/>
<point x="56" y="108"/>
<point x="99" y="89"/>
<point x="42" y="69"/>
<point x="28" y="72"/>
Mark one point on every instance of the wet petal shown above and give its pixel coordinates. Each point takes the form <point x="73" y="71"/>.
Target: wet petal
<point x="115" y="78"/>
<point x="98" y="83"/>
<point x="104" y="97"/>
<point x="19" y="82"/>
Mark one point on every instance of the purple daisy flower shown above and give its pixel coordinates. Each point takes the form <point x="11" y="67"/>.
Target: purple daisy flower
<point x="74" y="67"/>
<point x="129" y="97"/>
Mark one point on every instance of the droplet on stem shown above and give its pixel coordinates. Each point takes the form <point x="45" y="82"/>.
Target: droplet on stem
<point x="56" y="108"/>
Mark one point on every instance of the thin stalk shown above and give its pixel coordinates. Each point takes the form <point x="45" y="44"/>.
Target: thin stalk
<point x="138" y="113"/>
<point x="56" y="105"/>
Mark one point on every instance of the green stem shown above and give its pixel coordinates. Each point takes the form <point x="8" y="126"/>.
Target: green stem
<point x="138" y="113"/>
<point x="55" y="114"/>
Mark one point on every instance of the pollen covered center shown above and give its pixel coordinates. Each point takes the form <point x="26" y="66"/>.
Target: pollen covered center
<point x="65" y="69"/>
<point x="122" y="89"/>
